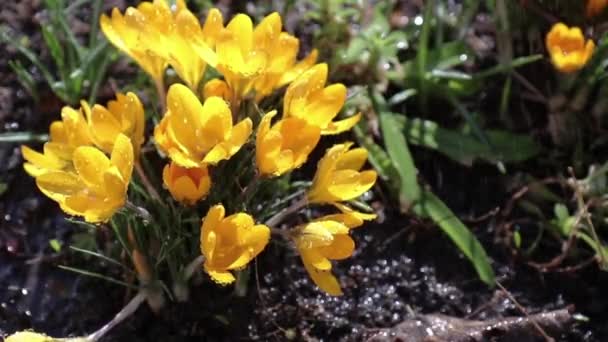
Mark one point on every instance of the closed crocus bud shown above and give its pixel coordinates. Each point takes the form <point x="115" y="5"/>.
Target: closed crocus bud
<point x="187" y="185"/>
<point x="568" y="49"/>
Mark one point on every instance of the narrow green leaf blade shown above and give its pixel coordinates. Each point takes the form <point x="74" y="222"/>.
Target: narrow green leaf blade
<point x="431" y="206"/>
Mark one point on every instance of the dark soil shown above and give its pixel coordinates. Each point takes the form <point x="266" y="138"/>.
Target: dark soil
<point x="402" y="267"/>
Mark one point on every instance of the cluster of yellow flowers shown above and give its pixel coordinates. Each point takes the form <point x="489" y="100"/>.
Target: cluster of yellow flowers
<point x="197" y="133"/>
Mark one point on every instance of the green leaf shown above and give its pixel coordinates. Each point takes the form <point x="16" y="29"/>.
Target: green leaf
<point x="507" y="67"/>
<point x="55" y="245"/>
<point x="3" y="188"/>
<point x="25" y="78"/>
<point x="517" y="239"/>
<point x="464" y="147"/>
<point x="22" y="137"/>
<point x="398" y="151"/>
<point x="431" y="206"/>
<point x="55" y="48"/>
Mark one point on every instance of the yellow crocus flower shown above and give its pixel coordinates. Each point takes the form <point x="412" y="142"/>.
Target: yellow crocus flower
<point x="124" y="115"/>
<point x="87" y="126"/>
<point x="235" y="55"/>
<point x="281" y="50"/>
<point x="284" y="146"/>
<point x="230" y="243"/>
<point x="187" y="185"/>
<point x="307" y="98"/>
<point x="567" y="47"/>
<point x="195" y="134"/>
<point x="338" y="177"/>
<point x="595" y="7"/>
<point x="98" y="186"/>
<point x="320" y="241"/>
<point x="139" y="33"/>
<point x="65" y="135"/>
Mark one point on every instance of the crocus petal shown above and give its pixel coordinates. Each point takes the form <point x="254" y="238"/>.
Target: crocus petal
<point x="57" y="185"/>
<point x="324" y="280"/>
<point x="122" y="157"/>
<point x="90" y="164"/>
<point x="222" y="278"/>
<point x="340" y="126"/>
<point x="342" y="247"/>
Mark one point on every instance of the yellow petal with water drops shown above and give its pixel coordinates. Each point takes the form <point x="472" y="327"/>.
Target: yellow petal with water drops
<point x="232" y="227"/>
<point x="122" y="157"/>
<point x="299" y="137"/>
<point x="350" y="184"/>
<point x="189" y="66"/>
<point x="340" y="126"/>
<point x="214" y="24"/>
<point x="238" y="136"/>
<point x="257" y="238"/>
<point x="241" y="28"/>
<point x="182" y="159"/>
<point x="351" y="217"/>
<point x="325" y="104"/>
<point x="184" y="116"/>
<point x="113" y="28"/>
<point x="76" y="128"/>
<point x="267" y="31"/>
<point x="105" y="127"/>
<point x="297" y="92"/>
<point x="341" y="248"/>
<point x="90" y="164"/>
<point x="300" y="67"/>
<point x="41" y="161"/>
<point x="57" y="185"/>
<point x="352" y="160"/>
<point x="313" y="257"/>
<point x="216" y="122"/>
<point x="325" y="280"/>
<point x="57" y="132"/>
<point x="115" y="186"/>
<point x="59" y="150"/>
<point x="208" y="237"/>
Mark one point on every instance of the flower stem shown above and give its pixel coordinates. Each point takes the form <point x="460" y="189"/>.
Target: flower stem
<point x="283" y="214"/>
<point x="162" y="97"/>
<point x="127" y="311"/>
<point x="193" y="266"/>
<point x="141" y="212"/>
<point x="146" y="181"/>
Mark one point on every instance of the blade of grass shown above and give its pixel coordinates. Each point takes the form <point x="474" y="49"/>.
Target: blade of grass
<point x="97" y="275"/>
<point x="22" y="137"/>
<point x="101" y="256"/>
<point x="431" y="206"/>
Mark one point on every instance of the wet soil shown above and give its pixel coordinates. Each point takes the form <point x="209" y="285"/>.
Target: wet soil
<point x="402" y="268"/>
